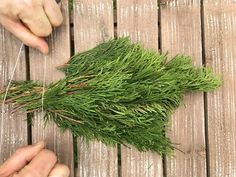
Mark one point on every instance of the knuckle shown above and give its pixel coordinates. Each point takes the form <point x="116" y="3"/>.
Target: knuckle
<point x="4" y="7"/>
<point x="29" y="172"/>
<point x="51" y="155"/>
<point x="16" y="175"/>
<point x="64" y="168"/>
<point x="27" y="42"/>
<point x="8" y="8"/>
<point x="59" y="21"/>
<point x="60" y="169"/>
<point x="26" y="5"/>
<point x="20" y="150"/>
<point x="45" y="32"/>
<point x="30" y="3"/>
<point x="48" y="32"/>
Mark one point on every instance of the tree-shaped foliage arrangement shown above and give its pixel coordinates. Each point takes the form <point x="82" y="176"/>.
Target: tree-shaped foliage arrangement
<point x="117" y="92"/>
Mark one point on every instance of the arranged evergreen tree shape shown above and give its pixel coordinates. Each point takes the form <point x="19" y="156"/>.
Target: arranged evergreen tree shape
<point x="117" y="92"/>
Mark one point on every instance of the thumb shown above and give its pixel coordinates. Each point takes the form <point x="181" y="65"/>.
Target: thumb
<point x="20" y="158"/>
<point x="24" y="34"/>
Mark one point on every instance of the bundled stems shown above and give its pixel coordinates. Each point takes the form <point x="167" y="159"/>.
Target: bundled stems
<point x="117" y="92"/>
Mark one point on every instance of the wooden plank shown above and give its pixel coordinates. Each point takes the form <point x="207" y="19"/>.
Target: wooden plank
<point x="181" y="33"/>
<point x="93" y="23"/>
<point x="13" y="128"/>
<point x="220" y="52"/>
<point x="59" y="42"/>
<point x="139" y="20"/>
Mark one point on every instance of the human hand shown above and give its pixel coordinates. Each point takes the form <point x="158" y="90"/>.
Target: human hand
<point x="33" y="161"/>
<point x="30" y="20"/>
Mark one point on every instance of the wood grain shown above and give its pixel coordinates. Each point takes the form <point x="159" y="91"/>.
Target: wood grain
<point x="220" y="52"/>
<point x="139" y="20"/>
<point x="93" y="23"/>
<point x="181" y="33"/>
<point x="59" y="43"/>
<point x="13" y="127"/>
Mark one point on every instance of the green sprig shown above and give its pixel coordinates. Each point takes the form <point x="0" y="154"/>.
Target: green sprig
<point x="117" y="92"/>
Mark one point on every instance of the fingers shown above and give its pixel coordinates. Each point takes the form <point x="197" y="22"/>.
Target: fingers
<point x="27" y="37"/>
<point x="40" y="166"/>
<point x="53" y="12"/>
<point x="37" y="21"/>
<point x="41" y="18"/>
<point x="31" y="20"/>
<point x="60" y="170"/>
<point x="21" y="157"/>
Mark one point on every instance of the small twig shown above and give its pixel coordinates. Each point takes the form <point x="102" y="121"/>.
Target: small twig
<point x="179" y="150"/>
<point x="33" y="110"/>
<point x="82" y="77"/>
<point x="81" y="85"/>
<point x="16" y="97"/>
<point x="22" y="105"/>
<point x="68" y="118"/>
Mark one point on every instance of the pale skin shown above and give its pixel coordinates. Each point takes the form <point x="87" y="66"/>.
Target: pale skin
<point x="33" y="161"/>
<point x="31" y="21"/>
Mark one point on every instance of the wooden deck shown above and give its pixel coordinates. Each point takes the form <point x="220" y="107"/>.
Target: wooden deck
<point x="204" y="129"/>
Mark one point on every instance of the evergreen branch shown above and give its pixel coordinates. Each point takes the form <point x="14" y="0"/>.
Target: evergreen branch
<point x="117" y="92"/>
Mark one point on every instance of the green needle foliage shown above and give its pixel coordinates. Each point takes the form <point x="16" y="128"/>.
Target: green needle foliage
<point x="117" y="92"/>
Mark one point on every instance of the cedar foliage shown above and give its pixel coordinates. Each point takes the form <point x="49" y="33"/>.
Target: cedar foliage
<point x="117" y="92"/>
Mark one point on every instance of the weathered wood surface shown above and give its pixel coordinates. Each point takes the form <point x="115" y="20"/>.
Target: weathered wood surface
<point x="184" y="28"/>
<point x="139" y="20"/>
<point x="220" y="52"/>
<point x="59" y="42"/>
<point x="181" y="33"/>
<point x="13" y="128"/>
<point x="93" y="23"/>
